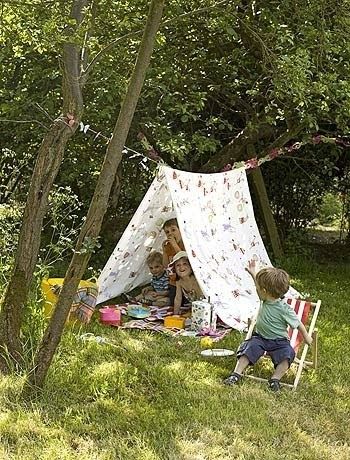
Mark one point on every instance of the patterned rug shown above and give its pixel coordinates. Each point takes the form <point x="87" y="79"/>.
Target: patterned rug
<point x="155" y="322"/>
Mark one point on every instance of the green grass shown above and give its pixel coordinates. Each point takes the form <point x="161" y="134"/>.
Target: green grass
<point x="154" y="397"/>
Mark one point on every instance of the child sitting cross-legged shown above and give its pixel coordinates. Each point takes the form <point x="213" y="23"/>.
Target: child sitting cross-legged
<point x="186" y="284"/>
<point x="158" y="292"/>
<point x="272" y="321"/>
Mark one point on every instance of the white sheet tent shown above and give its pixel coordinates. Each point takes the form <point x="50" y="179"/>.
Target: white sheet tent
<point x="216" y="220"/>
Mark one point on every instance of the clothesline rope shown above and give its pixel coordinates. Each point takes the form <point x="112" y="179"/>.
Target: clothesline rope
<point x="255" y="162"/>
<point x="252" y="163"/>
<point x="134" y="154"/>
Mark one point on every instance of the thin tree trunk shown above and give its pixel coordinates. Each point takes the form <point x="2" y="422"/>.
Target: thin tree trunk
<point x="48" y="162"/>
<point x="46" y="168"/>
<point x="111" y="219"/>
<point x="262" y="200"/>
<point x="98" y="206"/>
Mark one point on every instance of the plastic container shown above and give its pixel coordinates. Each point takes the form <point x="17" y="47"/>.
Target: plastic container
<point x="110" y="316"/>
<point x="203" y="316"/>
<point x="175" y="321"/>
<point x="50" y="288"/>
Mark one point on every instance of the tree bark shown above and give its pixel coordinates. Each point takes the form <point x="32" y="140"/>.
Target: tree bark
<point x="48" y="162"/>
<point x="262" y="201"/>
<point x="92" y="225"/>
<point x="46" y="168"/>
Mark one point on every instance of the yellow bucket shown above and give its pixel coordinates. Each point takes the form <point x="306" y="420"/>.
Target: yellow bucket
<point x="50" y="285"/>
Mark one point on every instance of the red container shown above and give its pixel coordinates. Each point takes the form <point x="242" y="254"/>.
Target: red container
<point x="110" y="316"/>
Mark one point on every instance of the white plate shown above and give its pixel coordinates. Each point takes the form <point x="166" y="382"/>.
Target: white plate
<point x="217" y="352"/>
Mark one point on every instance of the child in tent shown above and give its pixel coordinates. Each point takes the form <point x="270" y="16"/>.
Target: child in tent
<point x="158" y="292"/>
<point x="187" y="286"/>
<point x="171" y="246"/>
<point x="272" y="321"/>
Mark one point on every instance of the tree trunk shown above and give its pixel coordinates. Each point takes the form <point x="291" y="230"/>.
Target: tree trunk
<point x="111" y="219"/>
<point x="49" y="159"/>
<point x="91" y="227"/>
<point x="47" y="165"/>
<point x="262" y="200"/>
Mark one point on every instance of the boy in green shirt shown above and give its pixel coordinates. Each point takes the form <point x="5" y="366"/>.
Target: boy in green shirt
<point x="270" y="334"/>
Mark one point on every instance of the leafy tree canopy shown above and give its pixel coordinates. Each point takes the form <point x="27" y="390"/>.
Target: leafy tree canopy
<point x="224" y="75"/>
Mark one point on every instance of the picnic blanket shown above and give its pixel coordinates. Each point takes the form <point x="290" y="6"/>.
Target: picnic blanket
<point x="155" y="323"/>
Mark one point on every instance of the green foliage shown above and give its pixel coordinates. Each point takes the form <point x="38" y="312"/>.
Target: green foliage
<point x="297" y="245"/>
<point x="61" y="229"/>
<point x="33" y="324"/>
<point x="297" y="185"/>
<point x="14" y="168"/>
<point x="10" y="220"/>
<point x="268" y="67"/>
<point x="90" y="245"/>
<point x="272" y="70"/>
<point x="330" y="209"/>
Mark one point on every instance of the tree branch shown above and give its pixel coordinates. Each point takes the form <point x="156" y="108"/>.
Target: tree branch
<point x="24" y="121"/>
<point x="283" y="139"/>
<point x="101" y="53"/>
<point x="235" y="149"/>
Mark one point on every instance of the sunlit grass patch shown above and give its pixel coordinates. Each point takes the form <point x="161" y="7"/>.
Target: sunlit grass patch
<point x="148" y="396"/>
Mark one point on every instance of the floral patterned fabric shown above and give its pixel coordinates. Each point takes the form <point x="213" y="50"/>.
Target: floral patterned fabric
<point x="216" y="220"/>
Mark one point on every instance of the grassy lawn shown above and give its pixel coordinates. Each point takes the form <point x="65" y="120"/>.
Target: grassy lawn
<point x="154" y="397"/>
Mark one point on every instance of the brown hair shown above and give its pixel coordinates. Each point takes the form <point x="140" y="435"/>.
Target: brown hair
<point x="154" y="256"/>
<point x="170" y="222"/>
<point x="274" y="280"/>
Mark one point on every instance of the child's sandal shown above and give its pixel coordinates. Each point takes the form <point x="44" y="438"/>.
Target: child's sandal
<point x="274" y="385"/>
<point x="233" y="379"/>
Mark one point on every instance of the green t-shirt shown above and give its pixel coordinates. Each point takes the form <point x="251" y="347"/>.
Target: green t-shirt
<point x="273" y="319"/>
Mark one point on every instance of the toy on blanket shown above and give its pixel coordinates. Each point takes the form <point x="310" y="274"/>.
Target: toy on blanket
<point x="138" y="311"/>
<point x="207" y="342"/>
<point x="217" y="352"/>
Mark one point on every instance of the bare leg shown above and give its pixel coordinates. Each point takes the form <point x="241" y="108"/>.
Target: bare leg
<point x="236" y="375"/>
<point x="241" y="364"/>
<point x="280" y="370"/>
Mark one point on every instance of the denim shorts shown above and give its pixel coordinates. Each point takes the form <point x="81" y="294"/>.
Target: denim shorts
<point x="278" y="349"/>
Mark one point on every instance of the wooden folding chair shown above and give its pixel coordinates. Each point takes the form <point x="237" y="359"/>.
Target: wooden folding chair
<point x="307" y="312"/>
